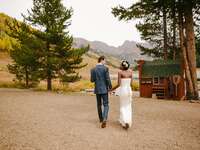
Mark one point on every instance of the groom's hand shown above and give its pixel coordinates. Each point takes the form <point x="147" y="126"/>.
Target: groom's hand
<point x="110" y="92"/>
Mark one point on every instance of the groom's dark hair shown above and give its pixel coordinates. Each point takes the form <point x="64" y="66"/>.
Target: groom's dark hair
<point x="101" y="58"/>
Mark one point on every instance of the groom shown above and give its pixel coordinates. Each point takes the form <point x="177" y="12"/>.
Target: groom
<point x="100" y="76"/>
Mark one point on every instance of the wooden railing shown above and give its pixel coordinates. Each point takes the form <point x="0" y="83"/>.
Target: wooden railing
<point x="160" y="91"/>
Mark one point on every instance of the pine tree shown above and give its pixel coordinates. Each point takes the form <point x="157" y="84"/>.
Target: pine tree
<point x="154" y="26"/>
<point x="59" y="60"/>
<point x="189" y="7"/>
<point x="25" y="55"/>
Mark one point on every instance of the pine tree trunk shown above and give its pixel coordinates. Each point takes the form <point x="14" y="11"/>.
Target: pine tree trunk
<point x="26" y="74"/>
<point x="174" y="31"/>
<point x="189" y="84"/>
<point x="49" y="83"/>
<point x="191" y="49"/>
<point x="49" y="78"/>
<point x="165" y="31"/>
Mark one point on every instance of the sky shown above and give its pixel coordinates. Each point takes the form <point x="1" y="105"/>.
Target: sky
<point x="92" y="19"/>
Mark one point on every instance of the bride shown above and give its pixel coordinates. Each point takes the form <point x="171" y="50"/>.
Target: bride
<point x="123" y="90"/>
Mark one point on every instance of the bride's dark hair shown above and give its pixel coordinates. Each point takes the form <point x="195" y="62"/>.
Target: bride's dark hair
<point x="125" y="65"/>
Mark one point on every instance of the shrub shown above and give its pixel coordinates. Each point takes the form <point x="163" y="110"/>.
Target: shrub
<point x="135" y="86"/>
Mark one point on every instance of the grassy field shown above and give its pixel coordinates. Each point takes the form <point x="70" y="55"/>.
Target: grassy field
<point x="7" y="79"/>
<point x="5" y="76"/>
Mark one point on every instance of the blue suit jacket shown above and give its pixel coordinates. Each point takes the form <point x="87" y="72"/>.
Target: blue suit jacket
<point x="100" y="76"/>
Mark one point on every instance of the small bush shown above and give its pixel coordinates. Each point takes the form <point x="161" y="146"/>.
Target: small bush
<point x="135" y="86"/>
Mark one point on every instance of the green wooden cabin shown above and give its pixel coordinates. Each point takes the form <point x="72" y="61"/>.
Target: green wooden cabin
<point x="161" y="79"/>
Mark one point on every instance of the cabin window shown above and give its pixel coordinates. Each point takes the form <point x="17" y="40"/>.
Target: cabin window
<point x="156" y="80"/>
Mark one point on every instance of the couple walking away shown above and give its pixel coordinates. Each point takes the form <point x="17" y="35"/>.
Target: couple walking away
<point x="100" y="76"/>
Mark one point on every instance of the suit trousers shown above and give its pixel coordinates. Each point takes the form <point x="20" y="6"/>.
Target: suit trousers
<point x="102" y="101"/>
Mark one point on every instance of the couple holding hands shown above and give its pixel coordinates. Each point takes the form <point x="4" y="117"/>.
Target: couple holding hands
<point x="100" y="76"/>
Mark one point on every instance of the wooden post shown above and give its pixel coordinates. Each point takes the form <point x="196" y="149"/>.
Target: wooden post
<point x="140" y="64"/>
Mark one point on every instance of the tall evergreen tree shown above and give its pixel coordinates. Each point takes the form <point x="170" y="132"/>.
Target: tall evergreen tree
<point x="59" y="60"/>
<point x="154" y="25"/>
<point x="188" y="13"/>
<point x="25" y="55"/>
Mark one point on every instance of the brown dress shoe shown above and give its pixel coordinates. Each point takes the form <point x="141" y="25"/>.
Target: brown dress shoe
<point x="103" y="125"/>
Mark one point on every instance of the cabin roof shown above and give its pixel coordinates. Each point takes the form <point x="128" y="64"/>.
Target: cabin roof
<point x="161" y="68"/>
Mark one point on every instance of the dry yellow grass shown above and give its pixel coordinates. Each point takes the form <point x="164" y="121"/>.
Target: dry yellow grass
<point x="5" y="76"/>
<point x="6" y="79"/>
<point x="70" y="87"/>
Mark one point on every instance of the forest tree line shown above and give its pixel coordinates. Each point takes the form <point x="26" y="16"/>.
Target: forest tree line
<point x="172" y="28"/>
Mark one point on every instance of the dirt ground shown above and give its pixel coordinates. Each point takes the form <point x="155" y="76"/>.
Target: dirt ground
<point x="50" y="121"/>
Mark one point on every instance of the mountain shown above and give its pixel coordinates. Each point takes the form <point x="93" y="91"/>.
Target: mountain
<point x="128" y="50"/>
<point x="96" y="46"/>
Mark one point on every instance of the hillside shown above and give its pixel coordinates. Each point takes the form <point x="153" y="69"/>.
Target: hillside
<point x="5" y="76"/>
<point x="90" y="59"/>
<point x="5" y="45"/>
<point x="128" y="50"/>
<point x="5" y="41"/>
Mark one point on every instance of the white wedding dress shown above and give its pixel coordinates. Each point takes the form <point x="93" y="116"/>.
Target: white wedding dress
<point x="125" y="97"/>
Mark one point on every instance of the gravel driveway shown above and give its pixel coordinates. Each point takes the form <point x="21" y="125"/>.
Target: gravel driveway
<point x="49" y="121"/>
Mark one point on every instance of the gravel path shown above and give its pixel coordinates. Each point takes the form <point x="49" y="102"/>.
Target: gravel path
<point x="49" y="121"/>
